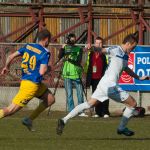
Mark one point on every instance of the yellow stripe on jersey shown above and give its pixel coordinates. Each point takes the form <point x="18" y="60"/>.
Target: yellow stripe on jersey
<point x="33" y="49"/>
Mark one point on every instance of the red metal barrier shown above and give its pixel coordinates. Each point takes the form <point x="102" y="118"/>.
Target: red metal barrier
<point x="14" y="76"/>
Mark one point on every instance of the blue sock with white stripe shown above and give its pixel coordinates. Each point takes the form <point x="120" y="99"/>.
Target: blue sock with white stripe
<point x="125" y="118"/>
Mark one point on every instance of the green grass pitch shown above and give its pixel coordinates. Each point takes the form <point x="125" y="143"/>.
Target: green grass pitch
<point x="79" y="134"/>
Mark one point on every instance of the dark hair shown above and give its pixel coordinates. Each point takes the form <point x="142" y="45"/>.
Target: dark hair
<point x="131" y="38"/>
<point x="136" y="34"/>
<point x="71" y="35"/>
<point x="99" y="38"/>
<point x="44" y="34"/>
<point x="68" y="38"/>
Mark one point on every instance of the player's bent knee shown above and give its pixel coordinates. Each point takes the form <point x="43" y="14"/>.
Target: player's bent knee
<point x="92" y="102"/>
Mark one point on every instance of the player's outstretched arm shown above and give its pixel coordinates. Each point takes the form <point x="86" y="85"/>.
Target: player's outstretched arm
<point x="132" y="74"/>
<point x="144" y="78"/>
<point x="104" y="51"/>
<point x="8" y="61"/>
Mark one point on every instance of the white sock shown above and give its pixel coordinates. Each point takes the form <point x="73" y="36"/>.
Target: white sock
<point x="76" y="111"/>
<point x="128" y="112"/>
<point x="125" y="118"/>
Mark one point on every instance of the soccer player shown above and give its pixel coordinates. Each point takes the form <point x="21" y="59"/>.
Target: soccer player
<point x="108" y="86"/>
<point x="35" y="58"/>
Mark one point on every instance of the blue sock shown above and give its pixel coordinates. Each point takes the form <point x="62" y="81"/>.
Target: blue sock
<point x="128" y="112"/>
<point x="123" y="123"/>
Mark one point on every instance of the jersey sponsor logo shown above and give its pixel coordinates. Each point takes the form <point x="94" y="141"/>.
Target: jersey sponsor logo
<point x="33" y="49"/>
<point x="125" y="78"/>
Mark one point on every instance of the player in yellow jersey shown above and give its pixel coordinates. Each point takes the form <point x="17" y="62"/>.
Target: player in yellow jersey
<point x="35" y="58"/>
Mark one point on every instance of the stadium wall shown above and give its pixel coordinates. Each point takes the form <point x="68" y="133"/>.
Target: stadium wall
<point x="7" y="94"/>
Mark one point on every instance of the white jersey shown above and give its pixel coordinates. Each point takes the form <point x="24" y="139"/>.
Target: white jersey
<point x="107" y="87"/>
<point x="118" y="61"/>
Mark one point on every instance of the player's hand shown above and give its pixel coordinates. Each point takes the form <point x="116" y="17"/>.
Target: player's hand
<point x="64" y="45"/>
<point x="144" y="78"/>
<point x="88" y="46"/>
<point x="4" y="71"/>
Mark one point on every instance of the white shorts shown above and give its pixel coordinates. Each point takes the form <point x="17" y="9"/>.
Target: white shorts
<point x="116" y="93"/>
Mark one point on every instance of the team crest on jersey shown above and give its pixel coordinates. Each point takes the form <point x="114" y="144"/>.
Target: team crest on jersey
<point x="125" y="78"/>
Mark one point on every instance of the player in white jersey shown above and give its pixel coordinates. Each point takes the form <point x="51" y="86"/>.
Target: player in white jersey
<point x="108" y="86"/>
<point x="118" y="61"/>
